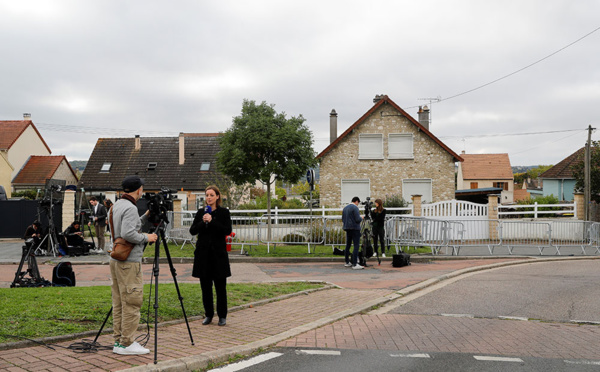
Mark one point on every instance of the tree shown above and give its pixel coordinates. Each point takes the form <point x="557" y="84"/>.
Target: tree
<point x="578" y="172"/>
<point x="264" y="145"/>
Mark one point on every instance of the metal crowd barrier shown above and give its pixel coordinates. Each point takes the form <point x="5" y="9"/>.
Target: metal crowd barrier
<point x="523" y="235"/>
<point x="297" y="230"/>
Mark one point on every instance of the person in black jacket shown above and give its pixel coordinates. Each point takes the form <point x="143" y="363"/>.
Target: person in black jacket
<point x="98" y="217"/>
<point x="211" y="261"/>
<point x="378" y="216"/>
<point x="74" y="235"/>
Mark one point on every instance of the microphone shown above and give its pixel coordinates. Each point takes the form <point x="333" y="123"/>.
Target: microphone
<point x="207" y="209"/>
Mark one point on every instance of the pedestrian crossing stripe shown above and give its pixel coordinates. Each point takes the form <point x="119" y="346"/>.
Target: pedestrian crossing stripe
<point x="247" y="363"/>
<point x="413" y="355"/>
<point x="319" y="352"/>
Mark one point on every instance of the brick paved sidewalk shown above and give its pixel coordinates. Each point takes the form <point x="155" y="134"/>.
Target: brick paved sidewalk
<point x="426" y="333"/>
<point x="246" y="329"/>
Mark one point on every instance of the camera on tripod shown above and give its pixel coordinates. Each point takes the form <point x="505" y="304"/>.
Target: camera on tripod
<point x="368" y="205"/>
<point x="159" y="203"/>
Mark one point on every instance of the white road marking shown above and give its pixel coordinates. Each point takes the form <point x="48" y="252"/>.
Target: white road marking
<point x="416" y="355"/>
<point x="584" y="362"/>
<point x="513" y="318"/>
<point x="459" y="315"/>
<point x="247" y="363"/>
<point x="319" y="352"/>
<point x="497" y="359"/>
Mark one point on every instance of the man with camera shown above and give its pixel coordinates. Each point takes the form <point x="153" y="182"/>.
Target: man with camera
<point x="351" y="223"/>
<point x="127" y="282"/>
<point x="98" y="216"/>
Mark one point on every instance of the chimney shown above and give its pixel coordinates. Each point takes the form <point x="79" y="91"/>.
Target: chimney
<point x="138" y="142"/>
<point x="26" y="116"/>
<point x="378" y="97"/>
<point x="424" y="116"/>
<point x="332" y="126"/>
<point x="181" y="149"/>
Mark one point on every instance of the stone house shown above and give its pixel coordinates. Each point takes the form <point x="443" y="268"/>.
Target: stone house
<point x="484" y="171"/>
<point x="19" y="140"/>
<point x="386" y="152"/>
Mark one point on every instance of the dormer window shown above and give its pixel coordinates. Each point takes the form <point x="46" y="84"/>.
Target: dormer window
<point x="204" y="167"/>
<point x="105" y="168"/>
<point x="152" y="165"/>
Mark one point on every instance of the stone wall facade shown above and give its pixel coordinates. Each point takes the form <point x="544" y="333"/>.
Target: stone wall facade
<point x="430" y="161"/>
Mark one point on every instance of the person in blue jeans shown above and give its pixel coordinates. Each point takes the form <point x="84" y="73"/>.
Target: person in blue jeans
<point x="351" y="224"/>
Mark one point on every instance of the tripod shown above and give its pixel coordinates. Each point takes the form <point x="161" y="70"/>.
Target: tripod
<point x="32" y="269"/>
<point x="160" y="231"/>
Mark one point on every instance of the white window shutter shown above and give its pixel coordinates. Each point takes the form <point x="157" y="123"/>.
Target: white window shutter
<point x="370" y="146"/>
<point x="400" y="146"/>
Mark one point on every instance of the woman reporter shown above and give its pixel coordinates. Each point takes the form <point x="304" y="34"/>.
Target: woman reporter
<point x="379" y="225"/>
<point x="211" y="261"/>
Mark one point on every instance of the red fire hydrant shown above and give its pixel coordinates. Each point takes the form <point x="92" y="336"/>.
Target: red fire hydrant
<point x="228" y="240"/>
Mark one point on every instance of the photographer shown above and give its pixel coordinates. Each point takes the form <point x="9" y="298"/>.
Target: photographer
<point x="211" y="261"/>
<point x="351" y="224"/>
<point x="98" y="216"/>
<point x="34" y="232"/>
<point x="378" y="216"/>
<point x="127" y="283"/>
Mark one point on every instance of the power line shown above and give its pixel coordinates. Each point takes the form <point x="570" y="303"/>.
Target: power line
<point x="513" y="134"/>
<point x="100" y="130"/>
<point x="517" y="71"/>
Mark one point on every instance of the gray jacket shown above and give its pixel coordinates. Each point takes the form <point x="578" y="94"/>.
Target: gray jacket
<point x="351" y="217"/>
<point x="128" y="225"/>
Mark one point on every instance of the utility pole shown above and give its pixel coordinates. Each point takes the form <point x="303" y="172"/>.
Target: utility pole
<point x="586" y="170"/>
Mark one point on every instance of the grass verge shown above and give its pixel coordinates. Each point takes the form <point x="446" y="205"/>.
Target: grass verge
<point x="56" y="311"/>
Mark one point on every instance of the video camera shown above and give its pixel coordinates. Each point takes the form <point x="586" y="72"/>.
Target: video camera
<point x="368" y="205"/>
<point x="159" y="204"/>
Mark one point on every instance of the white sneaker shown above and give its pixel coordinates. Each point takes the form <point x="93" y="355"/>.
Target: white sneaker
<point x="357" y="267"/>
<point x="116" y="347"/>
<point x="383" y="255"/>
<point x="133" y="349"/>
<point x="348" y="264"/>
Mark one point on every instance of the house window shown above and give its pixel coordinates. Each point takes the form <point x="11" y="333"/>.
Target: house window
<point x="352" y="188"/>
<point x="105" y="168"/>
<point x="370" y="146"/>
<point x="152" y="165"/>
<point x="400" y="146"/>
<point x="474" y="185"/>
<point x="421" y="187"/>
<point x="205" y="167"/>
<point x="501" y="185"/>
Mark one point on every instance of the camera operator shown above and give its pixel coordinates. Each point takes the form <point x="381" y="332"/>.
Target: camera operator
<point x="351" y="220"/>
<point x="98" y="216"/>
<point x="127" y="282"/>
<point x="378" y="216"/>
<point x="34" y="231"/>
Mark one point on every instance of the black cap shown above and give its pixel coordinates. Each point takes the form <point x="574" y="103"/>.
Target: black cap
<point x="132" y="183"/>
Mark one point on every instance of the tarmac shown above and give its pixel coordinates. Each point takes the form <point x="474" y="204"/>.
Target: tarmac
<point x="346" y="313"/>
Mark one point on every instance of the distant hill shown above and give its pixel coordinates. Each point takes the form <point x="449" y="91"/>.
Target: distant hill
<point x="78" y="164"/>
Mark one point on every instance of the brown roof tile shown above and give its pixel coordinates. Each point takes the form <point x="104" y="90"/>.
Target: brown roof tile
<point x="125" y="160"/>
<point x="12" y="129"/>
<point x="563" y="169"/>
<point x="38" y="169"/>
<point x="486" y="167"/>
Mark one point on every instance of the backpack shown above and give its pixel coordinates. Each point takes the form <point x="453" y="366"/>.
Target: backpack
<point x="63" y="275"/>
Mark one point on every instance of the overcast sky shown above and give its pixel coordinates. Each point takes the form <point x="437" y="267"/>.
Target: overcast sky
<point x="91" y="69"/>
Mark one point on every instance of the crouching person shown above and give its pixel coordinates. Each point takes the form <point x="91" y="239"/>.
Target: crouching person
<point x="127" y="282"/>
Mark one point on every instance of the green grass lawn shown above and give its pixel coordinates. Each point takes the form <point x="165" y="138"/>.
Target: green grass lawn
<point x="54" y="311"/>
<point x="275" y="250"/>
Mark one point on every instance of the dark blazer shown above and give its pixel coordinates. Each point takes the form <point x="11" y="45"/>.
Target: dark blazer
<point x="210" y="257"/>
<point x="101" y="214"/>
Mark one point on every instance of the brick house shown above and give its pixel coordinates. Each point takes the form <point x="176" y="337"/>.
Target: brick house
<point x="185" y="164"/>
<point x="386" y="152"/>
<point x="19" y="140"/>
<point x="484" y="171"/>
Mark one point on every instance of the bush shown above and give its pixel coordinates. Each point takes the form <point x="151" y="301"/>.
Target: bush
<point x="395" y="201"/>
<point x="294" y="238"/>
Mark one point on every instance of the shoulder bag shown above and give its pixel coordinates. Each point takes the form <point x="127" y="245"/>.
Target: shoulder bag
<point x="121" y="247"/>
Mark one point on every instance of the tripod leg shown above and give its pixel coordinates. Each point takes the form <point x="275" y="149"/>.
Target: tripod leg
<point x="155" y="272"/>
<point x="19" y="275"/>
<point x="103" y="324"/>
<point x="174" y="275"/>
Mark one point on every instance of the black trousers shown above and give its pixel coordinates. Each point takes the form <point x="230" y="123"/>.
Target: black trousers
<point x="207" y="296"/>
<point x="379" y="234"/>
